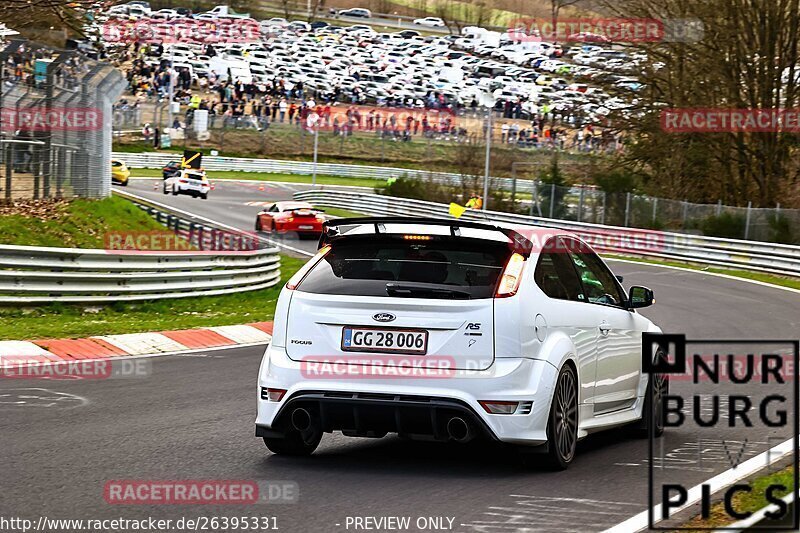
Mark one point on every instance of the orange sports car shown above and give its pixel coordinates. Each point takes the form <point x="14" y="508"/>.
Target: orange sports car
<point x="282" y="217"/>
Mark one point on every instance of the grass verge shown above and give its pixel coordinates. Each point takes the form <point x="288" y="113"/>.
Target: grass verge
<point x="291" y="144"/>
<point x="73" y="224"/>
<point x="744" y="501"/>
<point x="268" y="176"/>
<point x="792" y="283"/>
<point x="342" y="213"/>
<point x="58" y="321"/>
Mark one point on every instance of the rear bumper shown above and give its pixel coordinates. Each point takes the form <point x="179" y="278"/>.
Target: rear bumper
<point x="374" y="415"/>
<point x="283" y="227"/>
<point x="199" y="190"/>
<point x="419" y="407"/>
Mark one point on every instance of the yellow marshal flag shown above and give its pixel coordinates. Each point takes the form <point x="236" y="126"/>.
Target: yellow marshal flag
<point x="457" y="210"/>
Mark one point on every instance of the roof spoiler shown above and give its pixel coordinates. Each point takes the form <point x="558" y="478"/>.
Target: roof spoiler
<point x="332" y="233"/>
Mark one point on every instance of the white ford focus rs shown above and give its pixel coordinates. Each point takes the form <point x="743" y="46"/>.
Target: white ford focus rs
<point x="450" y="330"/>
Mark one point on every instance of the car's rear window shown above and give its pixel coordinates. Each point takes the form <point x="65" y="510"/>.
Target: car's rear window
<point x="441" y="269"/>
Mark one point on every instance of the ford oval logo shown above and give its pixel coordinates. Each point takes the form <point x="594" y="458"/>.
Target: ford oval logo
<point x="383" y="317"/>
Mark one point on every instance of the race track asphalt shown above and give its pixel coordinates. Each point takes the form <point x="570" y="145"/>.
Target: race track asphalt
<point x="192" y="418"/>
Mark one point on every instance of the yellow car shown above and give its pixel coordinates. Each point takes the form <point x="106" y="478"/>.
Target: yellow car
<point x="119" y="172"/>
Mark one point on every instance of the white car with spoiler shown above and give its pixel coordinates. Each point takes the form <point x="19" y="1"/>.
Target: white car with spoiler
<point x="450" y="330"/>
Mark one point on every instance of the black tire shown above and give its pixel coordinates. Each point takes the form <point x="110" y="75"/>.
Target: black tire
<point x="258" y="224"/>
<point x="294" y="444"/>
<point x="164" y="188"/>
<point x="125" y="183"/>
<point x="174" y="191"/>
<point x="653" y="410"/>
<point x="204" y="196"/>
<point x="562" y="424"/>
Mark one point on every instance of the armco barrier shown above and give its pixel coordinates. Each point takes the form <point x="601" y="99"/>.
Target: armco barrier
<point x="31" y="274"/>
<point x="40" y="275"/>
<point x="736" y="254"/>
<point x="276" y="166"/>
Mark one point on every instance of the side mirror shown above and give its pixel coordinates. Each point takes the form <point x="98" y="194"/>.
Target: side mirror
<point x="640" y="297"/>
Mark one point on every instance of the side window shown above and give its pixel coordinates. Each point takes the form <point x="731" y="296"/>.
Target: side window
<point x="273" y="208"/>
<point x="556" y="276"/>
<point x="598" y="282"/>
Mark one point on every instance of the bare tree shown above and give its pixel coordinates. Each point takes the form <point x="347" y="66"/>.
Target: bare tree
<point x="557" y="5"/>
<point x="746" y="59"/>
<point x="44" y="13"/>
<point x="287" y="6"/>
<point x="450" y="13"/>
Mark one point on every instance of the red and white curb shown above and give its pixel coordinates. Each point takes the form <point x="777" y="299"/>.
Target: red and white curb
<point x="18" y="353"/>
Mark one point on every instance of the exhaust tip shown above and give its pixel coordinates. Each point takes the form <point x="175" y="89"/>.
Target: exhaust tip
<point x="458" y="429"/>
<point x="301" y="419"/>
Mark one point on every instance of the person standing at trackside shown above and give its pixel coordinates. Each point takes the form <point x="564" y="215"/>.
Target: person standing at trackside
<point x="282" y="107"/>
<point x="474" y="202"/>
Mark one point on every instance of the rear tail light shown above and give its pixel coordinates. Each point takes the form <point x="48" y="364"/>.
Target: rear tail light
<point x="498" y="407"/>
<point x="183" y="181"/>
<point x="512" y="275"/>
<point x="295" y="280"/>
<point x="272" y="395"/>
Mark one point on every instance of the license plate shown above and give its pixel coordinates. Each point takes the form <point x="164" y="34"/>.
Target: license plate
<point x="306" y="227"/>
<point x="408" y="341"/>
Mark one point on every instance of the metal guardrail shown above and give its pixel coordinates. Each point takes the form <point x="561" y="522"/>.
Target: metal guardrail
<point x="736" y="254"/>
<point x="30" y="274"/>
<point x="276" y="166"/>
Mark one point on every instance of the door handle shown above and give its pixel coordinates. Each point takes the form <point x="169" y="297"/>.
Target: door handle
<point x="604" y="327"/>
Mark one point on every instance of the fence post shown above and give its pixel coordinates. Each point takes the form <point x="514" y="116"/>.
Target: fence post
<point x="10" y="162"/>
<point x="719" y="207"/>
<point x="535" y="196"/>
<point x="603" y="215"/>
<point x="655" y="209"/>
<point x="191" y="232"/>
<point x="200" y="236"/>
<point x="513" y="187"/>
<point x="552" y="198"/>
<point x="685" y="213"/>
<point x="747" y="221"/>
<point x="627" y="208"/>
<point x="580" y="204"/>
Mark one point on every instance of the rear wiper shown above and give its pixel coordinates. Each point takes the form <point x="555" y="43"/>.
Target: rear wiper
<point x="409" y="290"/>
